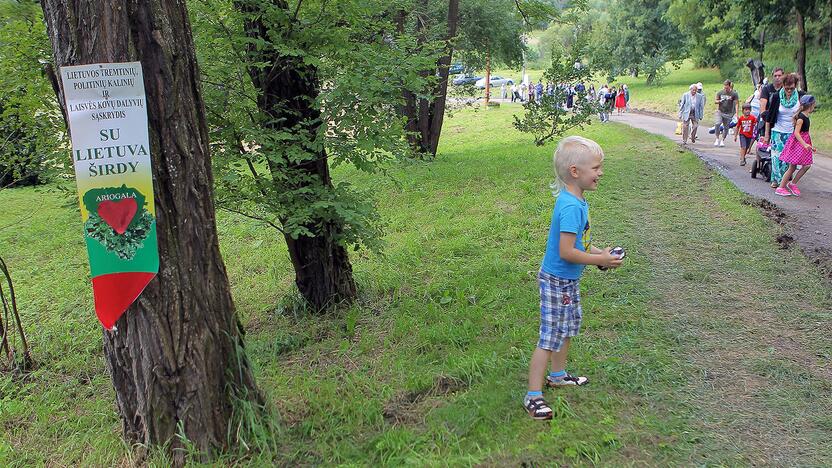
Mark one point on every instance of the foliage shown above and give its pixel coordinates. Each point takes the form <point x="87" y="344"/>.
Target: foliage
<point x="489" y="27"/>
<point x="353" y="46"/>
<point x="430" y="366"/>
<point x="726" y="34"/>
<point x="124" y="245"/>
<point x="655" y="67"/>
<point x="820" y="77"/>
<point x="30" y="119"/>
<point x="642" y="39"/>
<point x="583" y="16"/>
<point x="548" y="118"/>
<point x="624" y="37"/>
<point x="493" y="27"/>
<point x="20" y="160"/>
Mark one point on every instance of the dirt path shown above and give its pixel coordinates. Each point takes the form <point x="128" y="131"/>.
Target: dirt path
<point x="809" y="217"/>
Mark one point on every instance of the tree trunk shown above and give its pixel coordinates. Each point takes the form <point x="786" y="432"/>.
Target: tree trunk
<point x="408" y="108"/>
<point x="763" y="42"/>
<point x="176" y="357"/>
<point x="830" y="31"/>
<point x="286" y="96"/>
<point x="801" y="50"/>
<point x="438" y="111"/>
<point x="425" y="116"/>
<point x="487" y="77"/>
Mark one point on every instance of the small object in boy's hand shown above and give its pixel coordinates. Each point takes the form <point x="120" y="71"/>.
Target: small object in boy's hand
<point x="618" y="252"/>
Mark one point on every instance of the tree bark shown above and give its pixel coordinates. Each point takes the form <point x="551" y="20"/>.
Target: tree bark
<point x="408" y="108"/>
<point x="438" y="111"/>
<point x="287" y="91"/>
<point x="763" y="42"/>
<point x="425" y="116"/>
<point x="487" y="76"/>
<point x="801" y="49"/>
<point x="177" y="356"/>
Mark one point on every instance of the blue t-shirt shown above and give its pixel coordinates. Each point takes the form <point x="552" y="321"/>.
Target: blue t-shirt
<point x="571" y="215"/>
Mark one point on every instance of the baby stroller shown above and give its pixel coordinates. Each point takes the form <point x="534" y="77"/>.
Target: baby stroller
<point x="762" y="163"/>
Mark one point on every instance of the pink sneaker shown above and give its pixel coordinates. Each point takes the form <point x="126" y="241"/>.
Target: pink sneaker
<point x="793" y="189"/>
<point x="782" y="192"/>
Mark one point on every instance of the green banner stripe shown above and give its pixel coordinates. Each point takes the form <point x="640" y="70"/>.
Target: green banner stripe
<point x="146" y="259"/>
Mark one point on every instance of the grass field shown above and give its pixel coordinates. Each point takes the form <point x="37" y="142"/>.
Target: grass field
<point x="665" y="97"/>
<point x="694" y="358"/>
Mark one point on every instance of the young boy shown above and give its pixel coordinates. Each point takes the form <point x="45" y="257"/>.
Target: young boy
<point x="745" y="131"/>
<point x="577" y="168"/>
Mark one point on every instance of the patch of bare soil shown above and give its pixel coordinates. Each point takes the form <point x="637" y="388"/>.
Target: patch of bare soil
<point x="412" y="407"/>
<point x="817" y="251"/>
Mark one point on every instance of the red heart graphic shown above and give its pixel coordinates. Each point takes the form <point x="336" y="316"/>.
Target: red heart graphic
<point x="118" y="214"/>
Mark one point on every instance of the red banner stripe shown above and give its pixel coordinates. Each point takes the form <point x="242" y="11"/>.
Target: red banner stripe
<point x="115" y="292"/>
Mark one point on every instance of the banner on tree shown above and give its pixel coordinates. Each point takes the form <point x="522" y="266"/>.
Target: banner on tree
<point x="105" y="106"/>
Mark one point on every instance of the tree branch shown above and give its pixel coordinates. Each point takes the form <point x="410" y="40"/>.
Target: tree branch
<point x="250" y="216"/>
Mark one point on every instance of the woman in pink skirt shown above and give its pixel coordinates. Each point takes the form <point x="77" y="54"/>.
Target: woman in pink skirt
<point x="798" y="150"/>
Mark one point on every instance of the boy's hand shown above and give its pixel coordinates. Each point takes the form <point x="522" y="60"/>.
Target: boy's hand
<point x="609" y="260"/>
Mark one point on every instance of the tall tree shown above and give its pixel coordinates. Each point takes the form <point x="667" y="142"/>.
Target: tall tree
<point x="177" y="359"/>
<point x="295" y="89"/>
<point x="490" y="34"/>
<point x="800" y="54"/>
<point x="425" y="115"/>
<point x="802" y="10"/>
<point x="288" y="89"/>
<point x="477" y="32"/>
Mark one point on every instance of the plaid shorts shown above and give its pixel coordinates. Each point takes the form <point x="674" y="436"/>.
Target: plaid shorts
<point x="560" y="310"/>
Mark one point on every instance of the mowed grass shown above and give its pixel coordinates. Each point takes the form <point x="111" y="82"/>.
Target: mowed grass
<point x="429" y="367"/>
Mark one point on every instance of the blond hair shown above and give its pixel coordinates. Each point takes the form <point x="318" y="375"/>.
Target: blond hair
<point x="570" y="152"/>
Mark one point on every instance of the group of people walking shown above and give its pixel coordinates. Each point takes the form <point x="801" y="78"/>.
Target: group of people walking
<point x="609" y="98"/>
<point x="775" y="116"/>
<point x="534" y="92"/>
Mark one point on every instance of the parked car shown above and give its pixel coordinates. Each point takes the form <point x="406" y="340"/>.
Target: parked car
<point x="495" y="81"/>
<point x="465" y="80"/>
<point x="456" y="69"/>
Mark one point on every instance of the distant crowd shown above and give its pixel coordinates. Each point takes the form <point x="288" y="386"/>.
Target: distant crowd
<point x="610" y="98"/>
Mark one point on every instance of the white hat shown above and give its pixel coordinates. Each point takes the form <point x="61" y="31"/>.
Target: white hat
<point x="699" y="85"/>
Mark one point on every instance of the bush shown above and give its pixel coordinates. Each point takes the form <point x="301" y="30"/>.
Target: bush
<point x="21" y="157"/>
<point x="733" y="68"/>
<point x="29" y="145"/>
<point x="820" y="76"/>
